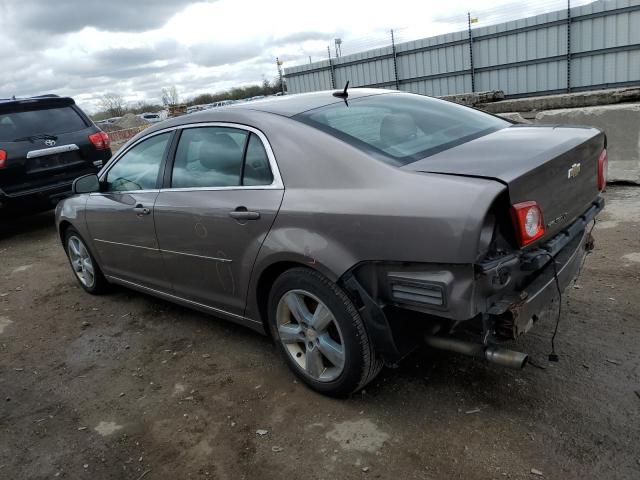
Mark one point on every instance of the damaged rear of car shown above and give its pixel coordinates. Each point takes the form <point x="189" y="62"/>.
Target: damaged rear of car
<point x="526" y="249"/>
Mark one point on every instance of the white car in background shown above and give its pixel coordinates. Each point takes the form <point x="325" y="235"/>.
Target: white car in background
<point x="151" y="117"/>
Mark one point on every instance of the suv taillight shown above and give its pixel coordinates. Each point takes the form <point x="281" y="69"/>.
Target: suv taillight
<point x="3" y="159"/>
<point x="603" y="167"/>
<point x="528" y="222"/>
<point x="100" y="140"/>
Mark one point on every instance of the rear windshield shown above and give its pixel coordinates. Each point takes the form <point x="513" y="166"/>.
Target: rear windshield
<point x="51" y="121"/>
<point x="401" y="129"/>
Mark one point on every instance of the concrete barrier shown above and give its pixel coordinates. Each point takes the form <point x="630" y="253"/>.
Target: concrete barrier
<point x="563" y="100"/>
<point x="471" y="99"/>
<point x="514" y="117"/>
<point x="621" y="123"/>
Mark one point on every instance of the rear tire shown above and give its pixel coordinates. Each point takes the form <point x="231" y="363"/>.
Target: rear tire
<point x="83" y="263"/>
<point x="320" y="333"/>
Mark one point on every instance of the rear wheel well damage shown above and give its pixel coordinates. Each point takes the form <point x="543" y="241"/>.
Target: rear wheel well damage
<point x="374" y="317"/>
<point x="394" y="331"/>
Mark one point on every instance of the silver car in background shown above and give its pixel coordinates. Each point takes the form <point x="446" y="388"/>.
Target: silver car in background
<point x="350" y="226"/>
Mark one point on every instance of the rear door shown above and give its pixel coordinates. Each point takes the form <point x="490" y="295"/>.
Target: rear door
<point x="46" y="144"/>
<point x="221" y="196"/>
<point x="120" y="219"/>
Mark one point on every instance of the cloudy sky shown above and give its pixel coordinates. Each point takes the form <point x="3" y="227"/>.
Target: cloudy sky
<point x="86" y="48"/>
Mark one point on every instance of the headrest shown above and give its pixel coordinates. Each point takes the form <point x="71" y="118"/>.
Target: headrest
<point x="397" y="128"/>
<point x="220" y="153"/>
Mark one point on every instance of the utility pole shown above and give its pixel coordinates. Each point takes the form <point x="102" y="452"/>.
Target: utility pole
<point x="333" y="78"/>
<point x="395" y="61"/>
<point x="568" y="46"/>
<point x="473" y="73"/>
<point x="279" y="65"/>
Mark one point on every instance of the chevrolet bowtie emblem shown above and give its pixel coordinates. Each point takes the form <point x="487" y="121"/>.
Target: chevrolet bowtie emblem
<point x="574" y="171"/>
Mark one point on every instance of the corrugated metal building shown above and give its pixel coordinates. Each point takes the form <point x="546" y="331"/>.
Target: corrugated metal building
<point x="596" y="46"/>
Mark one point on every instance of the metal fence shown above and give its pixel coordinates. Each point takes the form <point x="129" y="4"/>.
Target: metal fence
<point x="588" y="47"/>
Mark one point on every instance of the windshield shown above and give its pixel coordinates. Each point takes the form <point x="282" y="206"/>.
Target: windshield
<point x="401" y="129"/>
<point x="50" y="121"/>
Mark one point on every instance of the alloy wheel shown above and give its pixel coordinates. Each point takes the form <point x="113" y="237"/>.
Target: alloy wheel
<point x="311" y="336"/>
<point x="81" y="261"/>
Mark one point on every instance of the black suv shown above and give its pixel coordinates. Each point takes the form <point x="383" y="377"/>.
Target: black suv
<point x="45" y="143"/>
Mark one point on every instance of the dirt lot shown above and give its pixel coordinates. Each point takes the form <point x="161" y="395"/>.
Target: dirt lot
<point x="127" y="386"/>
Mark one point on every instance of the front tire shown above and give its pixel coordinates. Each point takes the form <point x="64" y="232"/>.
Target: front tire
<point x="83" y="264"/>
<point x="320" y="333"/>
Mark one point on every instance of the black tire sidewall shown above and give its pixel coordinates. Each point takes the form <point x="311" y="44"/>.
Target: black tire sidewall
<point x="347" y="318"/>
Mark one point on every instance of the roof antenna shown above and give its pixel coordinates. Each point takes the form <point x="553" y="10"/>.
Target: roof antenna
<point x="342" y="94"/>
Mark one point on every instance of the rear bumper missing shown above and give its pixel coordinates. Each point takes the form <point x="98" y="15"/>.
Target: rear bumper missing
<point x="517" y="312"/>
<point x="480" y="305"/>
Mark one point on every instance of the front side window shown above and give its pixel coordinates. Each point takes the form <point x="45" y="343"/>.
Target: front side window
<point x="401" y="129"/>
<point x="138" y="169"/>
<point x="219" y="157"/>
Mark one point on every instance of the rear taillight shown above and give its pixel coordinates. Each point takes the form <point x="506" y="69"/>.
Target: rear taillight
<point x="3" y="159"/>
<point x="603" y="167"/>
<point x="528" y="222"/>
<point x="100" y="140"/>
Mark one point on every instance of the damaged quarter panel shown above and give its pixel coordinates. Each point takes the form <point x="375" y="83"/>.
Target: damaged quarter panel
<point x="338" y="215"/>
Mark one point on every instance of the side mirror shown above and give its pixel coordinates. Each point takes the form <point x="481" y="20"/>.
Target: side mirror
<point x="86" y="184"/>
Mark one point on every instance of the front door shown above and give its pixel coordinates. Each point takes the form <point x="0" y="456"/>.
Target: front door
<point x="120" y="218"/>
<point x="211" y="221"/>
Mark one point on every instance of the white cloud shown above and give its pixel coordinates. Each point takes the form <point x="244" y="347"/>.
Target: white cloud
<point x="85" y="48"/>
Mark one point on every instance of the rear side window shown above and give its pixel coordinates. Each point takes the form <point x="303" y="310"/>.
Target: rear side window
<point x="401" y="129"/>
<point x="16" y="126"/>
<point x="220" y="157"/>
<point x="256" y="169"/>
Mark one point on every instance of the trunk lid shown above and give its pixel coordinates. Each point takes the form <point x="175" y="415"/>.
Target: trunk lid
<point x="557" y="166"/>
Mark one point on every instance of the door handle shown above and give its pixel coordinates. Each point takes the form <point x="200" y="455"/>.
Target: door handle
<point x="141" y="210"/>
<point x="241" y="213"/>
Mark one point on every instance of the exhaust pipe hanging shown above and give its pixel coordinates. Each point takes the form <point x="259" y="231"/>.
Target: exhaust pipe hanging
<point x="490" y="353"/>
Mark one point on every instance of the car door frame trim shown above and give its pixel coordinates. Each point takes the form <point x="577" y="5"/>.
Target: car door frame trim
<point x="125" y="244"/>
<point x="160" y="250"/>
<point x="217" y="259"/>
<point x="276" y="184"/>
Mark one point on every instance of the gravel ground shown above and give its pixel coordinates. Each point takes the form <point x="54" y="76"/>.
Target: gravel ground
<point x="127" y="386"/>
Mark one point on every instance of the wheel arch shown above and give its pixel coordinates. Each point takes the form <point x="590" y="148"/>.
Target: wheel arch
<point x="62" y="229"/>
<point x="270" y="272"/>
